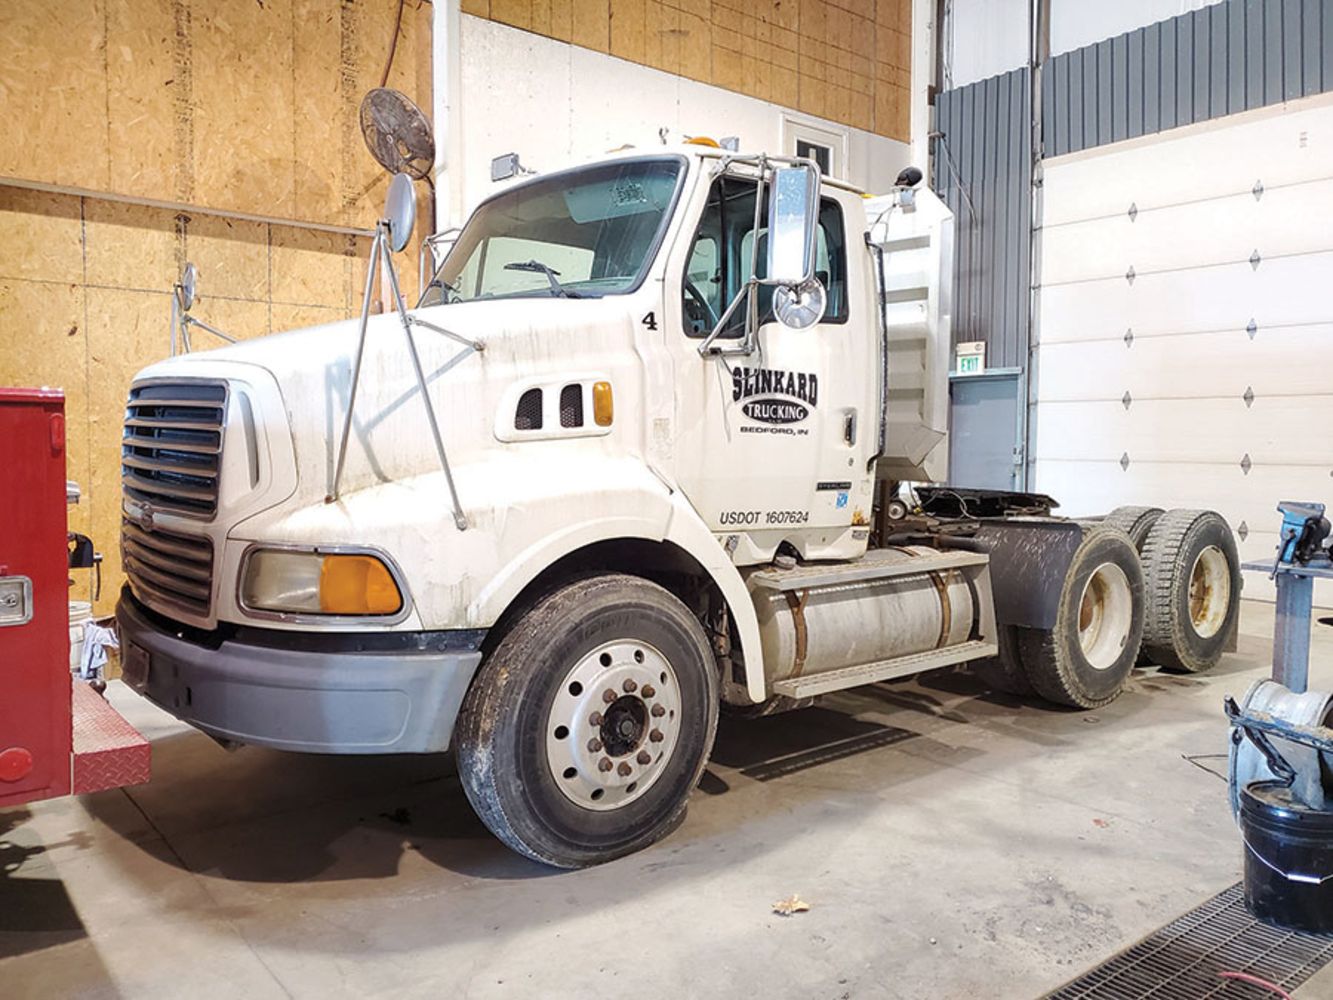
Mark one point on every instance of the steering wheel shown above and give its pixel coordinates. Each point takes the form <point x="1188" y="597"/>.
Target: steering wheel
<point x="703" y="310"/>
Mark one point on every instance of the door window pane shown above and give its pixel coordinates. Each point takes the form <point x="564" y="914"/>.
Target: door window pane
<point x="719" y="261"/>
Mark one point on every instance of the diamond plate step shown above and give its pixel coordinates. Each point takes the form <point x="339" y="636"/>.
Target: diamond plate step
<point x="883" y="670"/>
<point x="108" y="751"/>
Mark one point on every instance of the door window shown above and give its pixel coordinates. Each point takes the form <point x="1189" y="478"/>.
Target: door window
<point x="719" y="261"/>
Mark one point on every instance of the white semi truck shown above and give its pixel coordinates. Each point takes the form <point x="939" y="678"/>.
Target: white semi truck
<point x="633" y="458"/>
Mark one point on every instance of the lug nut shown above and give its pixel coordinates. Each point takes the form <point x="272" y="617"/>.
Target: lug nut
<point x="658" y="711"/>
<point x="656" y="736"/>
<point x="609" y="696"/>
<point x="605" y="764"/>
<point x="595" y="719"/>
<point x="649" y="691"/>
<point x="594" y="745"/>
<point x="629" y="686"/>
<point x="624" y="769"/>
<point x="644" y="757"/>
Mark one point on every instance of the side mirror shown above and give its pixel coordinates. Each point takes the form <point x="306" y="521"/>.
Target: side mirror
<point x="400" y="209"/>
<point x="188" y="287"/>
<point x="793" y="212"/>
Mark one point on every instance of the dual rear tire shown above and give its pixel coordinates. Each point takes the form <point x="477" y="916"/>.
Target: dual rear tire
<point x="1085" y="658"/>
<point x="1144" y="585"/>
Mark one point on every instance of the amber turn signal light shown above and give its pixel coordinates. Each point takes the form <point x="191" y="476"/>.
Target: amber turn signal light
<point x="357" y="585"/>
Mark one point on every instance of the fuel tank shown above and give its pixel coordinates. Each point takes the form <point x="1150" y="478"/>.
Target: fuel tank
<point x="892" y="603"/>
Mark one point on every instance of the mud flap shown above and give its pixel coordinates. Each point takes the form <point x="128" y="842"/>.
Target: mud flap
<point x="1029" y="560"/>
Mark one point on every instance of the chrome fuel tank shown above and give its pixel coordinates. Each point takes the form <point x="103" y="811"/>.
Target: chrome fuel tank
<point x="892" y="603"/>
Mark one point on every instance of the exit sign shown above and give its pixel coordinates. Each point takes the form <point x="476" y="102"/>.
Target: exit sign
<point x="971" y="357"/>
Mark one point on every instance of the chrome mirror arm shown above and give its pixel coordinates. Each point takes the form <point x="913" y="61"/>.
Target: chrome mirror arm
<point x="380" y="255"/>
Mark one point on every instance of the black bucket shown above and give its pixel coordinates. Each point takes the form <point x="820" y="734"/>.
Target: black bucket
<point x="1288" y="859"/>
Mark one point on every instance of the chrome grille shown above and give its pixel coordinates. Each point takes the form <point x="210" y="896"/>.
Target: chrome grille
<point x="171" y="453"/>
<point x="167" y="570"/>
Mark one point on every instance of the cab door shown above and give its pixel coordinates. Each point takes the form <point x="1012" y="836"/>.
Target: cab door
<point x="772" y="446"/>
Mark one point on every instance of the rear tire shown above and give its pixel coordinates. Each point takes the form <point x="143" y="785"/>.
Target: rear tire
<point x="590" y="722"/>
<point x="1136" y="522"/>
<point x="1192" y="571"/>
<point x="1004" y="672"/>
<point x="1084" y="660"/>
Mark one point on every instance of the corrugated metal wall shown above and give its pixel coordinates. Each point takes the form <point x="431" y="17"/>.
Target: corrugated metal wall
<point x="1215" y="61"/>
<point x="983" y="170"/>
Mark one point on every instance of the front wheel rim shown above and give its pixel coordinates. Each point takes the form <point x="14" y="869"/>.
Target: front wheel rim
<point x="1209" y="592"/>
<point x="613" y="725"/>
<point x="1105" y="616"/>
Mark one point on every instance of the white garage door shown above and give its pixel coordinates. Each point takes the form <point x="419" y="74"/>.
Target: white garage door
<point x="1186" y="323"/>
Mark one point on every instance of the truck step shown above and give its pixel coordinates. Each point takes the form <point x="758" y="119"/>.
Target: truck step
<point x="877" y="564"/>
<point x="108" y="751"/>
<point x="808" y="685"/>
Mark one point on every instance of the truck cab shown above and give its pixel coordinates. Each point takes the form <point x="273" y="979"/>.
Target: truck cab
<point x="618" y="467"/>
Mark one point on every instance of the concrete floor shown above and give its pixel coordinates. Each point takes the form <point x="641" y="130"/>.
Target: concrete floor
<point x="951" y="842"/>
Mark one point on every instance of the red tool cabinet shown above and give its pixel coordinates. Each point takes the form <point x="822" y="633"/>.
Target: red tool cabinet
<point x="57" y="736"/>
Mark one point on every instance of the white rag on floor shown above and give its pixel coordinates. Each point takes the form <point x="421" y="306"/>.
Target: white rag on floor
<point x="96" y="640"/>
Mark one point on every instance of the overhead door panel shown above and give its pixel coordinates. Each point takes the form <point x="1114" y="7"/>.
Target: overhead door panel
<point x="1184" y="345"/>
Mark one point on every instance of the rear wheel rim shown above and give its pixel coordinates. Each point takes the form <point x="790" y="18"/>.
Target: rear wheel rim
<point x="1209" y="592"/>
<point x="614" y="724"/>
<point x="1105" y="616"/>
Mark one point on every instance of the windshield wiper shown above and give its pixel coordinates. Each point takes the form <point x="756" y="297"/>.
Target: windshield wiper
<point x="551" y="273"/>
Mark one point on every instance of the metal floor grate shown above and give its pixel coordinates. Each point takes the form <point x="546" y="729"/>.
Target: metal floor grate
<point x="1181" y="961"/>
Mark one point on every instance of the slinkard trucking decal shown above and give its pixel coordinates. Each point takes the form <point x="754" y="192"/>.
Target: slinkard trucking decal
<point x="775" y="397"/>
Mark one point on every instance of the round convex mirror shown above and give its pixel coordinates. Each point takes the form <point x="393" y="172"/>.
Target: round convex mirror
<point x="800" y="306"/>
<point x="188" y="287"/>
<point x="400" y="209"/>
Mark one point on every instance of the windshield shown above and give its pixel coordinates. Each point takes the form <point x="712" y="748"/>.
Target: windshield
<point x="580" y="234"/>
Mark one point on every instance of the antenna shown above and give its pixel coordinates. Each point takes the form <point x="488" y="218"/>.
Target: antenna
<point x="392" y="232"/>
<point x="183" y="294"/>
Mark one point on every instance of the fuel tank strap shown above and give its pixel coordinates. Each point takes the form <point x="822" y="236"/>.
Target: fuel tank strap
<point x="796" y="601"/>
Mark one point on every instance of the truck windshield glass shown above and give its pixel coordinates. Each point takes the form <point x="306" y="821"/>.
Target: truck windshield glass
<point x="582" y="234"/>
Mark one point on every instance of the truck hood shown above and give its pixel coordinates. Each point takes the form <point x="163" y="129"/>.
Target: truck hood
<point x="523" y="338"/>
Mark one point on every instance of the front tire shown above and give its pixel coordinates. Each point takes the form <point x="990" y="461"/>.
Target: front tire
<point x="590" y="722"/>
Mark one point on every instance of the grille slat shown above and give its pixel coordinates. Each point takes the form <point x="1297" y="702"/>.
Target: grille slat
<point x="164" y="564"/>
<point x="190" y="551"/>
<point x="165" y="568"/>
<point x="166" y="487"/>
<point x="149" y="465"/>
<point x="138" y="441"/>
<point x="171" y="450"/>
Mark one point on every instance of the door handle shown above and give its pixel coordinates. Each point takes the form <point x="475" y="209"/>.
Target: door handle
<point x="15" y="600"/>
<point x="849" y="427"/>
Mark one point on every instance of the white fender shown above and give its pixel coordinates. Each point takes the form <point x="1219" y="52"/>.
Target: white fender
<point x="663" y="516"/>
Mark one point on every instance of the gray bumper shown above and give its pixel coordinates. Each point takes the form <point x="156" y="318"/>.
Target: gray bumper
<point x="314" y="700"/>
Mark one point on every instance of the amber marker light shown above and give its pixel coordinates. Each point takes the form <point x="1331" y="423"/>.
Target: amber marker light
<point x="603" y="407"/>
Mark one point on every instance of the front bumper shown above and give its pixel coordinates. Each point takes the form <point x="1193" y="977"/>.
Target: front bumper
<point x="317" y="698"/>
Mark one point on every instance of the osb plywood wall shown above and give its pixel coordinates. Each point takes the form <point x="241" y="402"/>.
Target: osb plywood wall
<point x="238" y="105"/>
<point x="845" y="60"/>
<point x="231" y="106"/>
